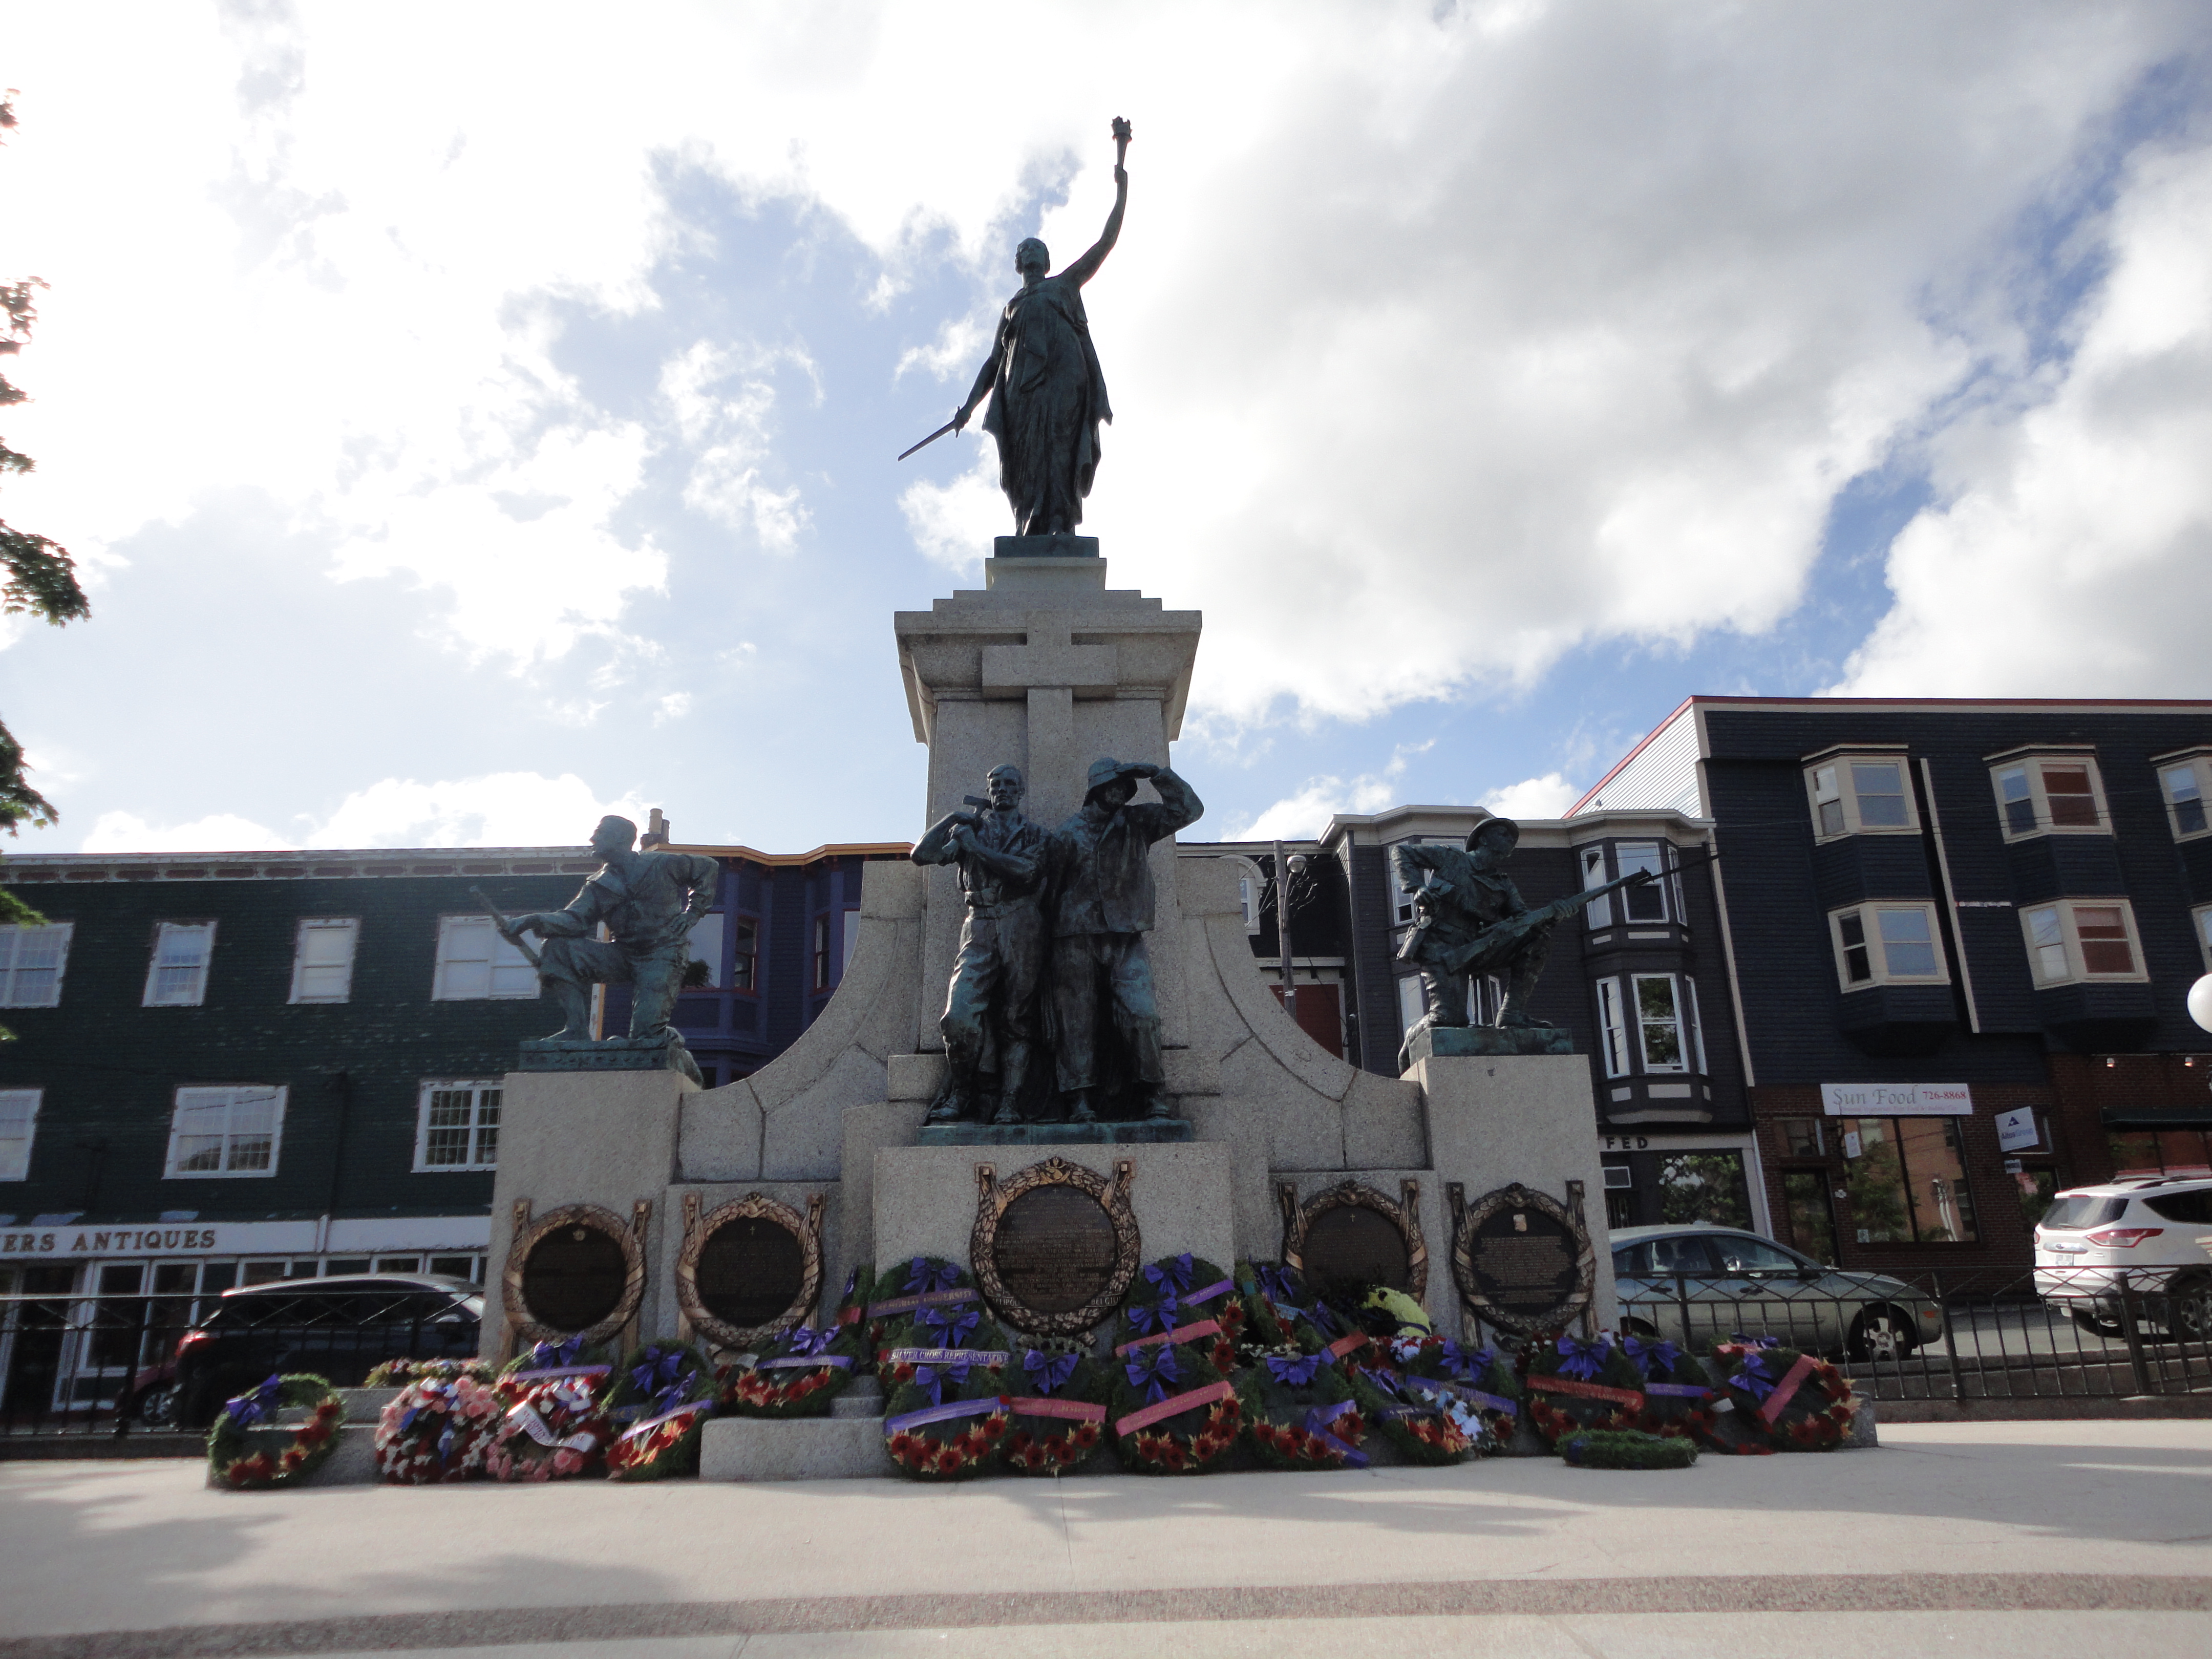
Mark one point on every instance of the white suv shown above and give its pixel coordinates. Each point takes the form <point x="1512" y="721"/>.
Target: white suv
<point x="2152" y="1235"/>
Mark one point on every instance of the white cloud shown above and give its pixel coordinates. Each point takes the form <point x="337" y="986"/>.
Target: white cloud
<point x="220" y="832"/>
<point x="2071" y="553"/>
<point x="1305" y="815"/>
<point x="953" y="524"/>
<point x="724" y="404"/>
<point x="1532" y="797"/>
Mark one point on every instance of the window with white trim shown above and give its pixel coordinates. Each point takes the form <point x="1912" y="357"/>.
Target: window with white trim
<point x="1615" y="1022"/>
<point x="2185" y="782"/>
<point x="322" y="958"/>
<point x="744" y="954"/>
<point x="1412" y="1002"/>
<point x="1649" y="1023"/>
<point x="1659" y="1023"/>
<point x="176" y="977"/>
<point x="1646" y="902"/>
<point x="476" y="963"/>
<point x="1860" y="795"/>
<point x="2081" y="939"/>
<point x="226" y="1132"/>
<point x="457" y="1126"/>
<point x="19" y="1123"/>
<point x="1879" y="944"/>
<point x="32" y="962"/>
<point x="1598" y="913"/>
<point x="2040" y="795"/>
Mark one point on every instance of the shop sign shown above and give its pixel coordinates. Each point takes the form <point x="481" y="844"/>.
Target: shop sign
<point x="2018" y="1130"/>
<point x="1897" y="1100"/>
<point x="71" y="1242"/>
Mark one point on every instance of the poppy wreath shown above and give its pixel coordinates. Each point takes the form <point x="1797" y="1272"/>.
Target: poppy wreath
<point x="660" y="1399"/>
<point x="549" y="1362"/>
<point x="555" y="1431"/>
<point x="852" y="1313"/>
<point x="312" y="1444"/>
<point x="897" y="1296"/>
<point x="946" y="1414"/>
<point x="1421" y="1416"/>
<point x="1172" y="1410"/>
<point x="437" y="1428"/>
<point x="1572" y="1385"/>
<point x="1300" y="1414"/>
<point x="1265" y="1288"/>
<point x="1626" y="1449"/>
<point x="1678" y="1391"/>
<point x="1056" y="1407"/>
<point x="1478" y="1378"/>
<point x="799" y="1374"/>
<point x="1184" y="1298"/>
<point x="398" y="1373"/>
<point x="1777" y="1400"/>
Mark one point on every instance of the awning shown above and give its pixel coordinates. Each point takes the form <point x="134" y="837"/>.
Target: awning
<point x="2158" y="1117"/>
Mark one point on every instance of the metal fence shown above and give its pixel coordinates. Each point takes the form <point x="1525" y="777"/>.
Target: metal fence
<point x="89" y="1363"/>
<point x="2056" y="1333"/>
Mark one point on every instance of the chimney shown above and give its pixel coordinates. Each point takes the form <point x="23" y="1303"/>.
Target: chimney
<point x="656" y="831"/>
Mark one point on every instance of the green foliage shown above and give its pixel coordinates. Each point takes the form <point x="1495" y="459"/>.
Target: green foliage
<point x="1626" y="1448"/>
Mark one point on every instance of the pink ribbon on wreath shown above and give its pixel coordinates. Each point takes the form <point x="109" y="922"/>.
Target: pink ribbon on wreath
<point x="1792" y="1380"/>
<point x="1548" y="1384"/>
<point x="1180" y="1334"/>
<point x="1173" y="1405"/>
<point x="1075" y="1411"/>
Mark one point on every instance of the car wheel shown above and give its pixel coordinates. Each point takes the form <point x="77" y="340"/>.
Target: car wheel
<point x="2191" y="1303"/>
<point x="2097" y="1324"/>
<point x="1882" y="1333"/>
<point x="157" y="1406"/>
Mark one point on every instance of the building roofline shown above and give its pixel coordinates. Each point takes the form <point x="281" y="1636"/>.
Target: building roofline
<point x="1649" y="737"/>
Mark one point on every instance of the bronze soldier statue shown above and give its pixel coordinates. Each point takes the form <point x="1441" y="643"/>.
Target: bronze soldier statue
<point x="991" y="1004"/>
<point x="1100" y="870"/>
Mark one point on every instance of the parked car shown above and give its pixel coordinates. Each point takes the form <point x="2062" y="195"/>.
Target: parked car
<point x="340" y="1327"/>
<point x="1692" y="1282"/>
<point x="2149" y="1235"/>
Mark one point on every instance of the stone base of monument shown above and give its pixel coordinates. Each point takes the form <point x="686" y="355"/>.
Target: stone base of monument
<point x="1064" y="545"/>
<point x="664" y="1053"/>
<point x="353" y="1463"/>
<point x="1486" y="1042"/>
<point x="794" y="1448"/>
<point x="1148" y="1132"/>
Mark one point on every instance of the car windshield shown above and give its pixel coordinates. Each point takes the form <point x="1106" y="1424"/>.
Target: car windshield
<point x="2071" y="1211"/>
<point x="1740" y="1255"/>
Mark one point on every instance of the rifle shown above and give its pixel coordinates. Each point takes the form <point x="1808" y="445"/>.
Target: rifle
<point x="506" y="929"/>
<point x="1503" y="938"/>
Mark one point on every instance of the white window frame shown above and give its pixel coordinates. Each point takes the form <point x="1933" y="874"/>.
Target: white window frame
<point x="1413" y="1001"/>
<point x="1829" y="780"/>
<point x="2069" y="940"/>
<point x="16" y="1149"/>
<point x="230" y="1097"/>
<point x="324" y="927"/>
<point x="163" y="931"/>
<point x="1685" y="1045"/>
<point x="1598" y="913"/>
<point x="739" y="921"/>
<point x="12" y="940"/>
<point x="2031" y="764"/>
<point x="504" y="957"/>
<point x="2198" y="763"/>
<point x="1662" y="885"/>
<point x="476" y="1127"/>
<point x="1868" y="913"/>
<point x="1613" y="1027"/>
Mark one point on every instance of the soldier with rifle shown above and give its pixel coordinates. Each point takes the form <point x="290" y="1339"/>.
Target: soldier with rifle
<point x="1472" y="921"/>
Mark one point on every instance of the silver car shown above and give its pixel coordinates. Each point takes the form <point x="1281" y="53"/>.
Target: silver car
<point x="1692" y="1282"/>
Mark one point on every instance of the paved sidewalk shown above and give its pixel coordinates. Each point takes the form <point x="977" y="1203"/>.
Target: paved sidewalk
<point x="1952" y="1535"/>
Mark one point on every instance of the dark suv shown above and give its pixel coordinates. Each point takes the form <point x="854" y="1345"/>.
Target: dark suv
<point x="340" y="1327"/>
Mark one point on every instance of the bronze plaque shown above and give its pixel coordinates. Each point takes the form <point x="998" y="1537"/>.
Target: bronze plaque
<point x="574" y="1277"/>
<point x="1055" y="1249"/>
<point x="1351" y="1244"/>
<point x="1524" y="1261"/>
<point x="750" y="1270"/>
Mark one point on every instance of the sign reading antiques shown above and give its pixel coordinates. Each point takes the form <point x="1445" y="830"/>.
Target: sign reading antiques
<point x="1056" y="1247"/>
<point x="1522" y="1259"/>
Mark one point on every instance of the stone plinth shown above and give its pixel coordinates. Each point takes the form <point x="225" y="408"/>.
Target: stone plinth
<point x="924" y="1196"/>
<point x="665" y="1053"/>
<point x="793" y="1449"/>
<point x="1530" y="1118"/>
<point x="1486" y="1042"/>
<point x="1062" y="546"/>
<point x="1149" y="1132"/>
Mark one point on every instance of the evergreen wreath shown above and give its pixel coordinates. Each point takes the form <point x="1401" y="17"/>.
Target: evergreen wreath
<point x="1626" y="1449"/>
<point x="437" y="1428"/>
<point x="1267" y="1288"/>
<point x="799" y="1374"/>
<point x="1572" y="1385"/>
<point x="1185" y="1293"/>
<point x="944" y="1416"/>
<point x="1678" y="1391"/>
<point x="398" y="1373"/>
<point x="1172" y="1410"/>
<point x="663" y="1393"/>
<point x="1300" y="1411"/>
<point x="1479" y="1379"/>
<point x="1779" y="1399"/>
<point x="897" y="1296"/>
<point x="555" y="1431"/>
<point x="853" y="1306"/>
<point x="546" y="1362"/>
<point x="312" y="1444"/>
<point x="1055" y="1406"/>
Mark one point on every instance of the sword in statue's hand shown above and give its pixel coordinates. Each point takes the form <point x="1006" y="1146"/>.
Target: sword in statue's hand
<point x="952" y="425"/>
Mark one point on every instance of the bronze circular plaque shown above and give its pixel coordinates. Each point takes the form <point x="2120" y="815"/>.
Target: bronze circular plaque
<point x="1523" y="1260"/>
<point x="574" y="1277"/>
<point x="1055" y="1249"/>
<point x="1351" y="1244"/>
<point x="750" y="1270"/>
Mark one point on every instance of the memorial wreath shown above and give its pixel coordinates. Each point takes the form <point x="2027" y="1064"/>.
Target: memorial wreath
<point x="437" y="1428"/>
<point x="1172" y="1411"/>
<point x="313" y="1442"/>
<point x="1572" y="1383"/>
<point x="1678" y="1391"/>
<point x="899" y="1293"/>
<point x="1300" y="1412"/>
<point x="660" y="1399"/>
<point x="1055" y="1407"/>
<point x="799" y="1374"/>
<point x="1267" y="1288"/>
<point x="1421" y="1416"/>
<point x="549" y="1362"/>
<point x="946" y="1373"/>
<point x="555" y="1431"/>
<point x="398" y="1373"/>
<point x="1626" y="1449"/>
<point x="1774" y="1399"/>
<point x="1184" y="1299"/>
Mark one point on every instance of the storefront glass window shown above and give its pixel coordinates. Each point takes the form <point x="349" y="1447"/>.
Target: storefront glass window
<point x="1811" y="1221"/>
<point x="1704" y="1187"/>
<point x="1908" y="1182"/>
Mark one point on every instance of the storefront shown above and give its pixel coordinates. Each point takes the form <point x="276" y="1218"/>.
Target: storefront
<point x="1665" y="1180"/>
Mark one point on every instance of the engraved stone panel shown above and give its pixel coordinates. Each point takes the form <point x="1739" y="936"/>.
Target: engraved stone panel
<point x="1523" y="1260"/>
<point x="1351" y="1244"/>
<point x="1055" y="1249"/>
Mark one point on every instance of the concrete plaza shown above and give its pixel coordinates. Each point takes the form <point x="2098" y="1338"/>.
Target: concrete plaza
<point x="1965" y="1538"/>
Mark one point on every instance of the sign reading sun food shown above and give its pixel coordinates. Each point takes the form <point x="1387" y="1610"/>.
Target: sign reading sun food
<point x="1897" y="1100"/>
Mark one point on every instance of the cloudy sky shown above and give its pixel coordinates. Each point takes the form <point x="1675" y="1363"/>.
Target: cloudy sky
<point x="471" y="417"/>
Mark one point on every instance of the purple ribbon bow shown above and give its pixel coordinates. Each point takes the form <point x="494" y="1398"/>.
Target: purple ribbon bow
<point x="1754" y="1379"/>
<point x="952" y="1330"/>
<point x="1296" y="1373"/>
<point x="1654" y="1359"/>
<point x="1581" y="1359"/>
<point x="1320" y="1422"/>
<point x="1465" y="1365"/>
<point x="250" y="1408"/>
<point x="1277" y="1283"/>
<point x="1152" y="1369"/>
<point x="928" y="1378"/>
<point x="1148" y="1318"/>
<point x="1739" y="1338"/>
<point x="806" y="1342"/>
<point x="550" y="1356"/>
<point x="1048" y="1372"/>
<point x="661" y="1376"/>
<point x="1172" y="1276"/>
<point x="921" y="1278"/>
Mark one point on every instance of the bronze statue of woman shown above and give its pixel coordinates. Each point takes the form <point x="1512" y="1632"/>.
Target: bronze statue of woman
<point x="1047" y="394"/>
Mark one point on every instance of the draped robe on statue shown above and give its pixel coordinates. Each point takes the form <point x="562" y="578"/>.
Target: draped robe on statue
<point x="1048" y="398"/>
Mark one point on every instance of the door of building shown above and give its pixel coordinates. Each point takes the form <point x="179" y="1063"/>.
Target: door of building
<point x="1812" y="1214"/>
